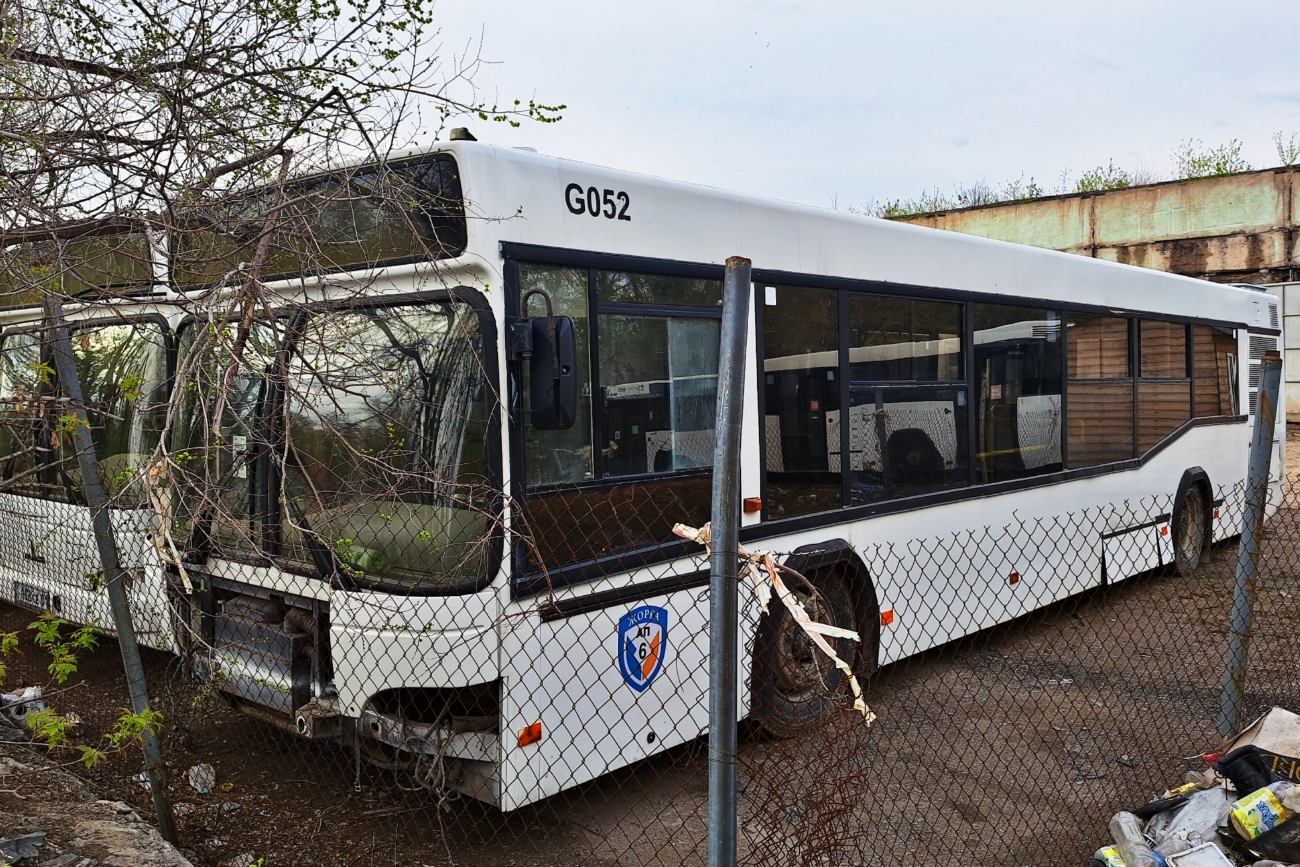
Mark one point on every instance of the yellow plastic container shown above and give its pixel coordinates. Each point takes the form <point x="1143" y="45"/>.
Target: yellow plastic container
<point x="1260" y="811"/>
<point x="1109" y="856"/>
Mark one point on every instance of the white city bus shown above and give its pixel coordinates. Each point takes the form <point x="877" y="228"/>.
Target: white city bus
<point x="124" y="349"/>
<point x="445" y="538"/>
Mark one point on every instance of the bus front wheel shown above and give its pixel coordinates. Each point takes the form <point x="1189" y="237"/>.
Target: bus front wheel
<point x="796" y="687"/>
<point x="1189" y="520"/>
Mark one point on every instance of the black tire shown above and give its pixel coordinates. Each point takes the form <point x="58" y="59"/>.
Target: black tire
<point x="795" y="685"/>
<point x="1190" y="529"/>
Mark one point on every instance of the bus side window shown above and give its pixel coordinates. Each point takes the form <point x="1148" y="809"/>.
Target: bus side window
<point x="559" y="456"/>
<point x="908" y="417"/>
<point x="1017" y="391"/>
<point x="1214" y="360"/>
<point x="1164" y="400"/>
<point x="1100" y="390"/>
<point x="802" y="400"/>
<point x="645" y="416"/>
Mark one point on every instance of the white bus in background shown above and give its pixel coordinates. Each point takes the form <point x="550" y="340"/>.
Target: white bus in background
<point x="124" y="350"/>
<point x="446" y="533"/>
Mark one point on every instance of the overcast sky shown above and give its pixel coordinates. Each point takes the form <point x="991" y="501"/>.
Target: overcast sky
<point x="816" y="102"/>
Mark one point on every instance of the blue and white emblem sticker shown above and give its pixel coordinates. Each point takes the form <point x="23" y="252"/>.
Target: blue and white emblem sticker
<point x="642" y="645"/>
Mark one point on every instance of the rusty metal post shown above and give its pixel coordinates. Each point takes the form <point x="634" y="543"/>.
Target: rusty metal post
<point x="1232" y="698"/>
<point x="724" y="626"/>
<point x="101" y="521"/>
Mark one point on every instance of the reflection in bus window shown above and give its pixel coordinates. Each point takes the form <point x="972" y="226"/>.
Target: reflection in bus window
<point x="1018" y="391"/>
<point x="893" y="339"/>
<point x="386" y="418"/>
<point x="1100" y="390"/>
<point x="1214" y="361"/>
<point x="654" y="414"/>
<point x="905" y="441"/>
<point x="214" y="458"/>
<point x="123" y="372"/>
<point x="801" y="387"/>
<point x="364" y="217"/>
<point x="21" y="422"/>
<point x="659" y="385"/>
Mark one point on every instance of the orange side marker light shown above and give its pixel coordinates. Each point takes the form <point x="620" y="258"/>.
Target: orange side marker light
<point x="1013" y="578"/>
<point x="887" y="617"/>
<point x="530" y="734"/>
<point x="752" y="505"/>
<point x="1164" y="531"/>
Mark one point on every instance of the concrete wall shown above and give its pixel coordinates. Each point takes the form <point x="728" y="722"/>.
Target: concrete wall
<point x="1239" y="228"/>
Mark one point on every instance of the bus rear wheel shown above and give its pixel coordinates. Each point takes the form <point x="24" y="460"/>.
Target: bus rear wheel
<point x="1189" y="530"/>
<point x="796" y="687"/>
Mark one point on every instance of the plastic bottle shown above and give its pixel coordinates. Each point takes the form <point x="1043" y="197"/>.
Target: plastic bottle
<point x="1127" y="831"/>
<point x="1264" y="809"/>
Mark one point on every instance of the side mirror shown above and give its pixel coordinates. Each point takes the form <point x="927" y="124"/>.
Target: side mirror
<point x="553" y="373"/>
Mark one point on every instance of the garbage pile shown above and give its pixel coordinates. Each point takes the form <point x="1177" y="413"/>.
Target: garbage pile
<point x="1244" y="809"/>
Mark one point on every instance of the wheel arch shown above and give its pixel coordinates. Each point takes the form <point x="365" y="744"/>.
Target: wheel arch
<point x="839" y="554"/>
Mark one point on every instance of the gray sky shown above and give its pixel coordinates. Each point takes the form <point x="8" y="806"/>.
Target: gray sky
<point x="820" y="101"/>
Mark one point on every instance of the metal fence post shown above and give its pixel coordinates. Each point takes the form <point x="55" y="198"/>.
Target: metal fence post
<point x="101" y="521"/>
<point x="723" y="568"/>
<point x="1232" y="698"/>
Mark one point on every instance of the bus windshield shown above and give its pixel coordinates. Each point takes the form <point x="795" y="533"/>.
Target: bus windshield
<point x="386" y="418"/>
<point x="370" y="425"/>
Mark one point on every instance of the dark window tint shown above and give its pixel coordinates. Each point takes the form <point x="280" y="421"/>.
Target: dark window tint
<point x="1163" y="349"/>
<point x="387" y="418"/>
<point x="1018" y="391"/>
<point x="802" y="398"/>
<point x="1214" y="360"/>
<point x="112" y="261"/>
<point x="631" y="288"/>
<point x="1100" y="392"/>
<point x="892" y="339"/>
<point x="905" y="441"/>
<point x="349" y="220"/>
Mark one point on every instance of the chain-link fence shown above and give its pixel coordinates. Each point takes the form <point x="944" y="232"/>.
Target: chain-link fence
<point x="573" y="730"/>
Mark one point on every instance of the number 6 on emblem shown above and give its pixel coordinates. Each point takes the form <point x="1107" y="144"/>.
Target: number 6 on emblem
<point x="642" y="645"/>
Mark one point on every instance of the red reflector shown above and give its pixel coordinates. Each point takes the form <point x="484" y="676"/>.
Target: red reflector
<point x="1013" y="578"/>
<point x="886" y="617"/>
<point x="1216" y="513"/>
<point x="530" y="735"/>
<point x="752" y="505"/>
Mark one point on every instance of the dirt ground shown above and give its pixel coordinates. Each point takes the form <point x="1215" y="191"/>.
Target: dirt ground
<point x="1011" y="747"/>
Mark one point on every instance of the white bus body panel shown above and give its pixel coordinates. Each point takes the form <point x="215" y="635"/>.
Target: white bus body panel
<point x="49" y="561"/>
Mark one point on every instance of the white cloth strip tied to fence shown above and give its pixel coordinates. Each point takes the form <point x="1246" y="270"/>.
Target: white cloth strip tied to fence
<point x="764" y="571"/>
